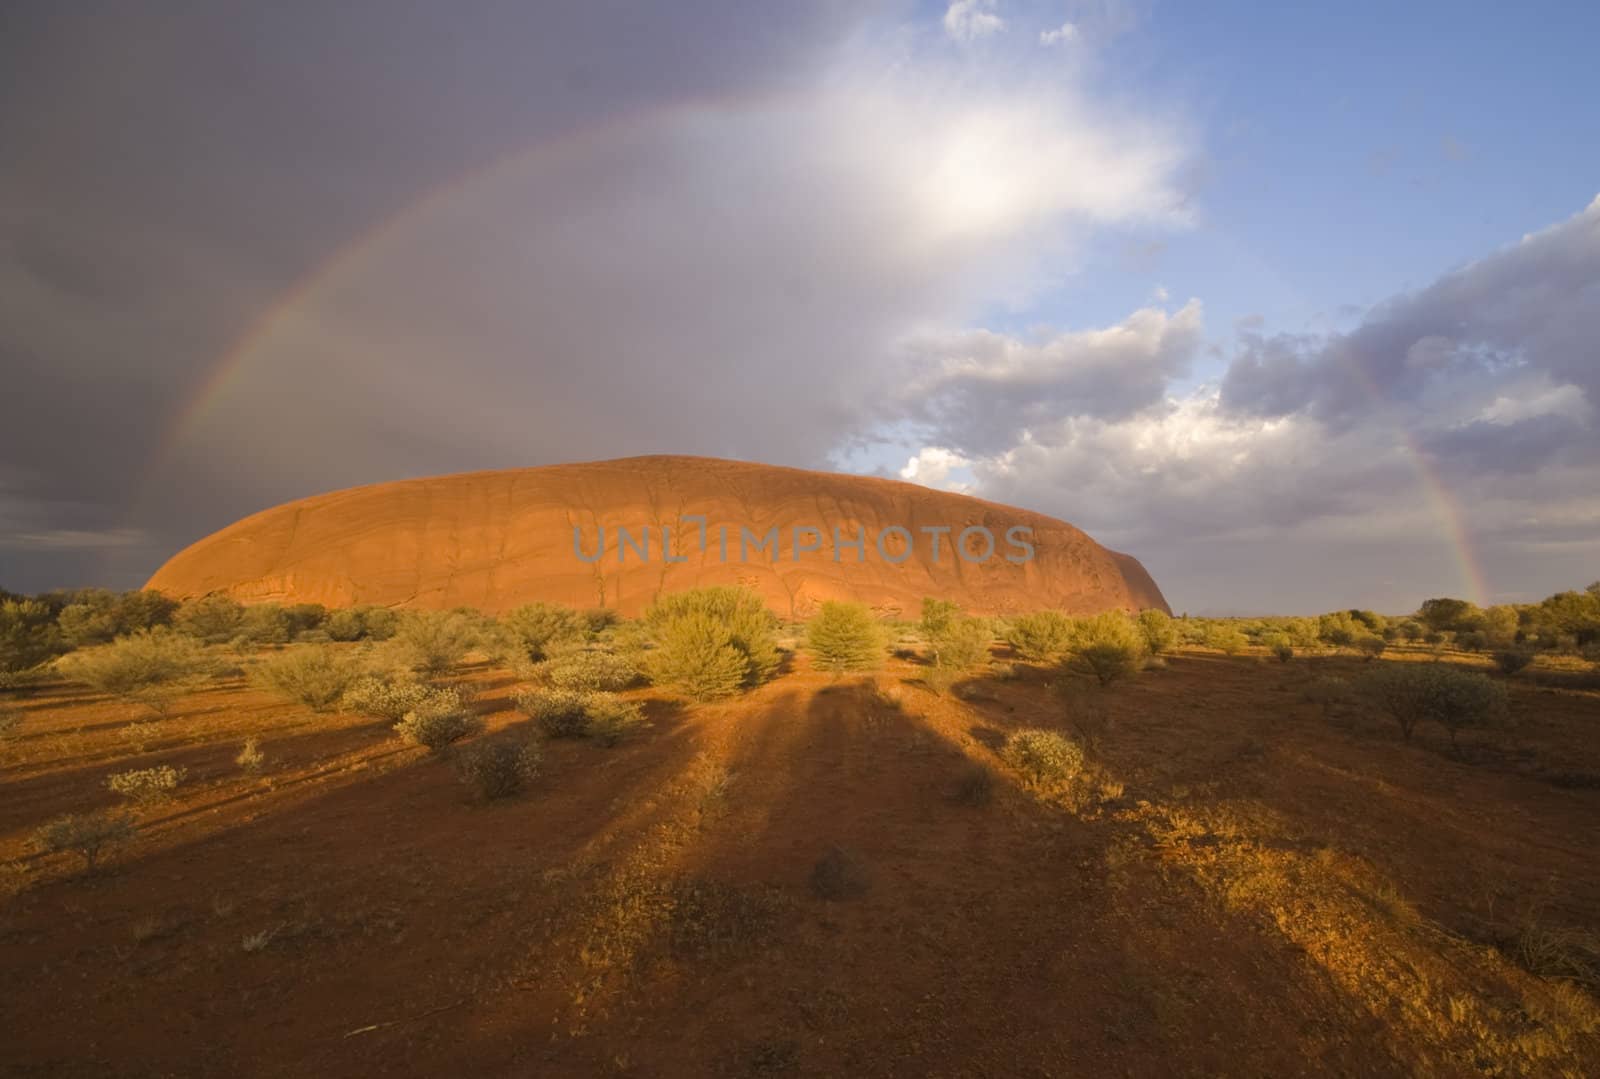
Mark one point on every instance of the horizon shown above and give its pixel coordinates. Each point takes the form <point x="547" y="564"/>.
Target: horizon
<point x="1296" y="308"/>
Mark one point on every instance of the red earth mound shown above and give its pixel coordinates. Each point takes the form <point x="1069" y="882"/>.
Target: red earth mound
<point x="495" y="540"/>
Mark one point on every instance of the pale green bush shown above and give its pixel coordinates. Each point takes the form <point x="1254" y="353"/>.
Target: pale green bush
<point x="1156" y="627"/>
<point x="562" y="713"/>
<point x="1414" y="693"/>
<point x="1044" y="757"/>
<point x="152" y="668"/>
<point x="536" y="629"/>
<point x="147" y="786"/>
<point x="589" y="670"/>
<point x="499" y="769"/>
<point x="710" y="642"/>
<point x="846" y="637"/>
<point x="1041" y="636"/>
<point x="392" y="698"/>
<point x="437" y="725"/>
<point x="316" y="675"/>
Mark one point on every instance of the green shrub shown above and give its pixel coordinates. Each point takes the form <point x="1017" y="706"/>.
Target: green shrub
<point x="1226" y="639"/>
<point x="1472" y="641"/>
<point x="937" y="617"/>
<point x="97" y="615"/>
<point x="561" y="713"/>
<point x="147" y="786"/>
<point x="87" y="834"/>
<point x="153" y="668"/>
<point x="437" y="723"/>
<point x="846" y="637"/>
<point x="1156" y="627"/>
<point x="432" y="642"/>
<point x="1278" y="644"/>
<point x="1108" y="627"/>
<point x="1371" y="647"/>
<point x="1512" y="660"/>
<point x="250" y="759"/>
<point x="1413" y="693"/>
<point x="1041" y="636"/>
<point x="499" y="769"/>
<point x="264" y="623"/>
<point x="391" y="699"/>
<point x="536" y="627"/>
<point x="1044" y="757"/>
<point x="710" y="642"/>
<point x="1105" y="661"/>
<point x="10" y="723"/>
<point x="214" y="619"/>
<point x="589" y="670"/>
<point x="959" y="646"/>
<point x="316" y="675"/>
<point x="613" y="719"/>
<point x="28" y="635"/>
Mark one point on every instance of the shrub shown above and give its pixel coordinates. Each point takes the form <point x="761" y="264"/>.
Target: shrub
<point x="937" y="617"/>
<point x="432" y="642"/>
<point x="1371" y="647"/>
<point x="264" y="623"/>
<point x="612" y="719"/>
<point x="10" y="723"/>
<point x="1044" y="757"/>
<point x="1156" y="627"/>
<point x="562" y="713"/>
<point x="250" y="759"/>
<point x="214" y="619"/>
<point x="499" y="769"/>
<point x="437" y="725"/>
<point x="97" y="615"/>
<point x="1279" y="645"/>
<point x="28" y="635"/>
<point x="152" y="668"/>
<point x="391" y="699"/>
<point x="846" y="637"/>
<point x="536" y="627"/>
<point x="1226" y="639"/>
<point x="1105" y="661"/>
<point x="1512" y="660"/>
<point x="589" y="671"/>
<point x="86" y="834"/>
<point x="345" y="626"/>
<point x="960" y="644"/>
<point x="147" y="786"/>
<point x="1472" y="641"/>
<point x="1041" y="635"/>
<point x="316" y="675"/>
<point x="710" y="642"/>
<point x="1416" y="692"/>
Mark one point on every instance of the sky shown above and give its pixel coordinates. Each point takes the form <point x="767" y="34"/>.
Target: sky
<point x="1298" y="305"/>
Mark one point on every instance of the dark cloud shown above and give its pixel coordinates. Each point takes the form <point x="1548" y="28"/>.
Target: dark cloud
<point x="1533" y="306"/>
<point x="173" y="168"/>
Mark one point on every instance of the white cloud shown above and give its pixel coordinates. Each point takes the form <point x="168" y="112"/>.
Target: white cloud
<point x="1542" y="398"/>
<point x="932" y="466"/>
<point x="965" y="20"/>
<point x="1061" y="35"/>
<point x="70" y="539"/>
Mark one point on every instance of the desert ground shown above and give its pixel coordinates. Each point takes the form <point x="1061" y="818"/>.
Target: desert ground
<point x="829" y="875"/>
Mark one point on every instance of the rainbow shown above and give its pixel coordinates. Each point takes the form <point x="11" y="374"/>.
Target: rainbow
<point x="571" y="145"/>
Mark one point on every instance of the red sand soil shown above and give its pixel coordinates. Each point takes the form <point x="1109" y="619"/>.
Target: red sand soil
<point x="1269" y="892"/>
<point x="495" y="540"/>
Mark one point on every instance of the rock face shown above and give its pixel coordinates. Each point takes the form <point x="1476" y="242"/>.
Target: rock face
<point x="495" y="540"/>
